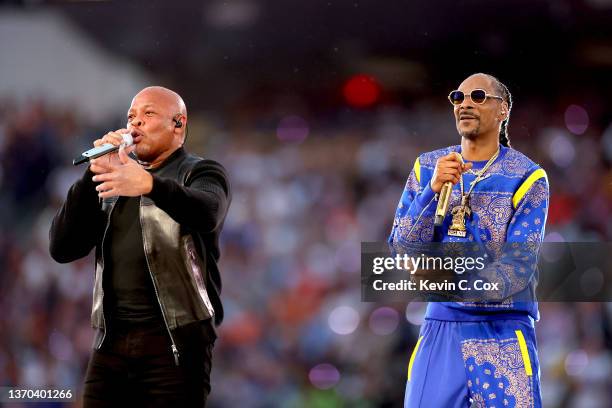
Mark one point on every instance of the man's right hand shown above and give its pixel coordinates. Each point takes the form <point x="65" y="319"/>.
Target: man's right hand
<point x="113" y="138"/>
<point x="100" y="164"/>
<point x="448" y="168"/>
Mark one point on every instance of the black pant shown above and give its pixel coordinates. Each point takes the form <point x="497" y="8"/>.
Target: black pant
<point x="135" y="368"/>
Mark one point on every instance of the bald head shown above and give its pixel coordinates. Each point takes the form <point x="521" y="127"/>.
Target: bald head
<point x="165" y="96"/>
<point x="157" y="119"/>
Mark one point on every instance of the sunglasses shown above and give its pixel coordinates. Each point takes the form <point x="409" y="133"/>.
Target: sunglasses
<point x="478" y="96"/>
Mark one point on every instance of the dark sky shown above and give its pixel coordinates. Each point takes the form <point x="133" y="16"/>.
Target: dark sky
<point x="310" y="47"/>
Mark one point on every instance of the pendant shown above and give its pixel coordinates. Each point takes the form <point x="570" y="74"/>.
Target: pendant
<point x="459" y="213"/>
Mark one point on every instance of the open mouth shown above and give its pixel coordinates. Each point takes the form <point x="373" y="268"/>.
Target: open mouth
<point x="137" y="136"/>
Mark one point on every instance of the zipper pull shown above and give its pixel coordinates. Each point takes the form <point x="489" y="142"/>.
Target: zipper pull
<point x="176" y="354"/>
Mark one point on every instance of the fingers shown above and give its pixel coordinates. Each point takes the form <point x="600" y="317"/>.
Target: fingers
<point x="106" y="189"/>
<point x="108" y="184"/>
<point x="452" y="177"/>
<point x="453" y="161"/>
<point x="452" y="156"/>
<point x="451" y="174"/>
<point x="101" y="165"/>
<point x="448" y="169"/>
<point x="123" y="155"/>
<point x="98" y="168"/>
<point x="113" y="138"/>
<point x="107" y="194"/>
<point x="450" y="160"/>
<point x="103" y="177"/>
<point x="453" y="169"/>
<point x="450" y="164"/>
<point x="110" y="188"/>
<point x="104" y="186"/>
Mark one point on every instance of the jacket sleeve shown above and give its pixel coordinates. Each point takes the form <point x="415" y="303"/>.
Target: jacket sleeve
<point x="516" y="266"/>
<point x="416" y="201"/>
<point x="202" y="203"/>
<point x="78" y="225"/>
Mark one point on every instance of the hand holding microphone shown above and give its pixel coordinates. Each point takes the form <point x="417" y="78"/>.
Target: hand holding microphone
<point x="119" y="174"/>
<point x="108" y="144"/>
<point x="446" y="174"/>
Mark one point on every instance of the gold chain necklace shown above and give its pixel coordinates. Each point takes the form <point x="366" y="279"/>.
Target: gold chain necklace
<point x="460" y="212"/>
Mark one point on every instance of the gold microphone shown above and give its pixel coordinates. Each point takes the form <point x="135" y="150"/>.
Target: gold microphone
<point x="444" y="199"/>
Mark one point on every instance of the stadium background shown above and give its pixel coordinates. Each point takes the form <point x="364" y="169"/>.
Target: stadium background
<point x="318" y="110"/>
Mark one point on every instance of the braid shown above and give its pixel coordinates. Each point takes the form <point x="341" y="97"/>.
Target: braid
<point x="504" y="139"/>
<point x="503" y="134"/>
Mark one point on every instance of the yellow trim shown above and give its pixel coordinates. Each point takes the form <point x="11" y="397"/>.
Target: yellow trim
<point x="520" y="193"/>
<point x="414" y="352"/>
<point x="524" y="351"/>
<point x="417" y="170"/>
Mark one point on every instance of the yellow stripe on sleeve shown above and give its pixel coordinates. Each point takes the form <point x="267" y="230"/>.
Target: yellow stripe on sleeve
<point x="524" y="352"/>
<point x="417" y="170"/>
<point x="522" y="190"/>
<point x="414" y="352"/>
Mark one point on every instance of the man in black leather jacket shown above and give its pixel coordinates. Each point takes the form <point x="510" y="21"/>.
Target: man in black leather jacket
<point x="155" y="224"/>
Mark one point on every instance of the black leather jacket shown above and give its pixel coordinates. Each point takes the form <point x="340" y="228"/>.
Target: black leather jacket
<point x="181" y="220"/>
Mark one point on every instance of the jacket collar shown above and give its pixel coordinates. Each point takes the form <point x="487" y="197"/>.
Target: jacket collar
<point x="176" y="156"/>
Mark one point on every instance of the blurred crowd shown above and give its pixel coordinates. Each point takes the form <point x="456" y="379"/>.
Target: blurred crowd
<point x="307" y="191"/>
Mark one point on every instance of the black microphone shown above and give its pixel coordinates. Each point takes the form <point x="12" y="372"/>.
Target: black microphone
<point x="106" y="148"/>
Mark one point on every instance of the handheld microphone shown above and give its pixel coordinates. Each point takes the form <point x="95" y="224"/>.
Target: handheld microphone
<point x="444" y="199"/>
<point x="106" y="148"/>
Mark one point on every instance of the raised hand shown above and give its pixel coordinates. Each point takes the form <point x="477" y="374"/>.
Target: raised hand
<point x="125" y="178"/>
<point x="448" y="168"/>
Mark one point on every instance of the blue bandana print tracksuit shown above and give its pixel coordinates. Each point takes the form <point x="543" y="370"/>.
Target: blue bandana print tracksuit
<point x="478" y="354"/>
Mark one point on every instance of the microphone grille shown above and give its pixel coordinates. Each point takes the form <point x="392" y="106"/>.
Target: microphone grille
<point x="128" y="140"/>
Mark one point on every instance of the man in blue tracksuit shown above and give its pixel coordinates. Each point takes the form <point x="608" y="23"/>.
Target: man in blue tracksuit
<point x="480" y="354"/>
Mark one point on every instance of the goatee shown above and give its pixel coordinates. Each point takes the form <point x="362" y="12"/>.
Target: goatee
<point x="471" y="134"/>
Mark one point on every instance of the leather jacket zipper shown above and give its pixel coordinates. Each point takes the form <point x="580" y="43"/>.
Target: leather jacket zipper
<point x="102" y="271"/>
<point x="174" y="349"/>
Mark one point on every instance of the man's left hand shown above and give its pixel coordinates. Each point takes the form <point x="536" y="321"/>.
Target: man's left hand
<point x="126" y="178"/>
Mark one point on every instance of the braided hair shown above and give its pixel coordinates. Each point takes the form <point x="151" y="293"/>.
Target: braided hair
<point x="504" y="139"/>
